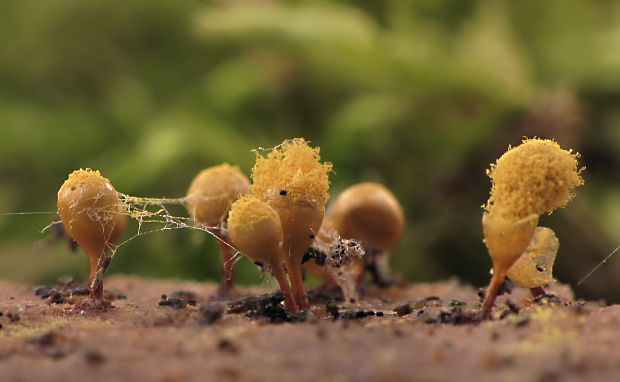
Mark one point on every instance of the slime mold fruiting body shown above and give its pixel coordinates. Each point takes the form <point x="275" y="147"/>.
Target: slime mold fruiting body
<point x="94" y="216"/>
<point x="529" y="180"/>
<point x="256" y="230"/>
<point x="209" y="198"/>
<point x="292" y="180"/>
<point x="369" y="214"/>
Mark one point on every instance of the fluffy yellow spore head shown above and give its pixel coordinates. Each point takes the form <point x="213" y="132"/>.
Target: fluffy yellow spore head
<point x="293" y="168"/>
<point x="83" y="176"/>
<point x="91" y="210"/>
<point x="255" y="229"/>
<point x="533" y="178"/>
<point x="212" y="192"/>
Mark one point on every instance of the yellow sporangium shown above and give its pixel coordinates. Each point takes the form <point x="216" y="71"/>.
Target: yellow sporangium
<point x="533" y="178"/>
<point x="295" y="183"/>
<point x="94" y="216"/>
<point x="209" y="198"/>
<point x="255" y="229"/>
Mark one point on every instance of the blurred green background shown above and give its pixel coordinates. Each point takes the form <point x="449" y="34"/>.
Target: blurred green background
<point x="419" y="95"/>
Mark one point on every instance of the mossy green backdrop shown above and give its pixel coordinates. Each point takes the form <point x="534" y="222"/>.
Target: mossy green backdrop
<point x="419" y="95"/>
